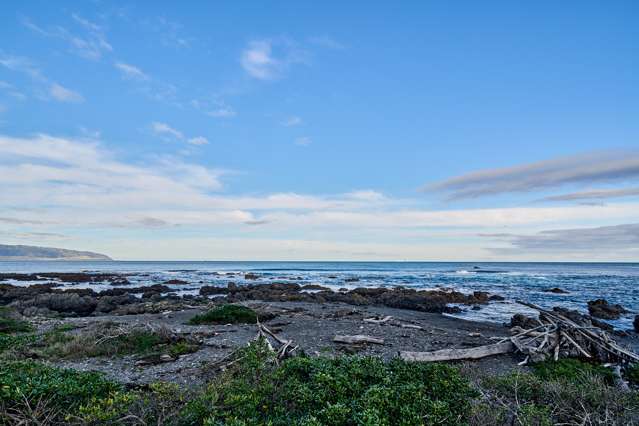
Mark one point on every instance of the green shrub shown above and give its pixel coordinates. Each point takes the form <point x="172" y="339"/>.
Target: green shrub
<point x="631" y="374"/>
<point x="64" y="389"/>
<point x="226" y="314"/>
<point x="340" y="391"/>
<point x="572" y="370"/>
<point x="9" y="323"/>
<point x="564" y="392"/>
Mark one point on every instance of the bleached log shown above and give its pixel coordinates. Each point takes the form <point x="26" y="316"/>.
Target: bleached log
<point x="357" y="339"/>
<point x="378" y="321"/>
<point x="456" y="354"/>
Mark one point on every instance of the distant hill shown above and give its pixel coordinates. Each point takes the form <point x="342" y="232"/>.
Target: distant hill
<point x="8" y="252"/>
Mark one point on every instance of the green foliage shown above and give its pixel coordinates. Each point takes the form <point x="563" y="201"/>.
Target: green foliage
<point x="226" y="314"/>
<point x="632" y="374"/>
<point x="564" y="392"/>
<point x="572" y="370"/>
<point x="9" y="324"/>
<point x="29" y="381"/>
<point x="341" y="391"/>
<point x="12" y="342"/>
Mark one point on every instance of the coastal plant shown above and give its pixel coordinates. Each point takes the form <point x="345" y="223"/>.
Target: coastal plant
<point x="112" y="340"/>
<point x="564" y="392"/>
<point x="332" y="391"/>
<point x="226" y="314"/>
<point x="29" y="388"/>
<point x="10" y="324"/>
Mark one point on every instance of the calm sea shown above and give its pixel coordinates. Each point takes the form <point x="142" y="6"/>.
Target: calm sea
<point x="616" y="282"/>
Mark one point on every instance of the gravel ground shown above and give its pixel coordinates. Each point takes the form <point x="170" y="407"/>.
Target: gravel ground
<point x="311" y="326"/>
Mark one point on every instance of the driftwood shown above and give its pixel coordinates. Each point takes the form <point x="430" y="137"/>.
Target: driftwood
<point x="378" y="321"/>
<point x="456" y="354"/>
<point x="556" y="336"/>
<point x="391" y="321"/>
<point x="357" y="339"/>
<point x="286" y="348"/>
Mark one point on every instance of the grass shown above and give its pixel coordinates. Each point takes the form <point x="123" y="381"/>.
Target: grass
<point x="226" y="314"/>
<point x="105" y="340"/>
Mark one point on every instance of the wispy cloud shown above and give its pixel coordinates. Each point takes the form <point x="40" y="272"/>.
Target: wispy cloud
<point x="51" y="89"/>
<point x="292" y="121"/>
<point x="198" y="140"/>
<point x="131" y="71"/>
<point x="11" y="90"/>
<point x="617" y="238"/>
<point x="268" y="59"/>
<point x="92" y="44"/>
<point x="583" y="169"/>
<point x="166" y="130"/>
<point x="303" y="141"/>
<point x="600" y="194"/>
<point x="222" y="112"/>
<point x="326" y="42"/>
<point x="62" y="94"/>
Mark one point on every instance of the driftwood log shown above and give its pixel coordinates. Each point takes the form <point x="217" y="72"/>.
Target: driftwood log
<point x="357" y="339"/>
<point x="556" y="336"/>
<point x="457" y="354"/>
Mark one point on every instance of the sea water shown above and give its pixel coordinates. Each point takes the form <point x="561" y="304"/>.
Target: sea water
<point x="615" y="282"/>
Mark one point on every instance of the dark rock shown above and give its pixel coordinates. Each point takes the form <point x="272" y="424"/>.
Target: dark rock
<point x="555" y="290"/>
<point x="175" y="282"/>
<point x="635" y="323"/>
<point x="314" y="287"/>
<point x="211" y="289"/>
<point x="600" y="308"/>
<point x="351" y="280"/>
<point x="523" y="321"/>
<point x="251" y="276"/>
<point x="67" y="303"/>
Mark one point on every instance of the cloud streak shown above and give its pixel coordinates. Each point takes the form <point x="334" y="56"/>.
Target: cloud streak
<point x="600" y="167"/>
<point x="622" y="237"/>
<point x="594" y="195"/>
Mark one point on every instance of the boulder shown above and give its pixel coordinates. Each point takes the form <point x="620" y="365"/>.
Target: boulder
<point x="600" y="308"/>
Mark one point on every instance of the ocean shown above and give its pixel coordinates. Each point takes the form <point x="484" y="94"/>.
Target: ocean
<point x="616" y="282"/>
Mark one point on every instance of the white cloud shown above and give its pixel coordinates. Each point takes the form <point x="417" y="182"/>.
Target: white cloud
<point x="261" y="61"/>
<point x="198" y="140"/>
<point x="222" y="112"/>
<point x="258" y="62"/>
<point x="292" y="121"/>
<point x="166" y="130"/>
<point x="131" y="71"/>
<point x="78" y="187"/>
<point x="303" y="141"/>
<point x="62" y="94"/>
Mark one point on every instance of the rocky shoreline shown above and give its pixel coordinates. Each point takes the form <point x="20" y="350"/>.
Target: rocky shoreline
<point x="311" y="315"/>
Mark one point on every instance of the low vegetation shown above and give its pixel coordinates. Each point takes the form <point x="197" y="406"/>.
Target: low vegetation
<point x="567" y="392"/>
<point x="226" y="314"/>
<point x="9" y="323"/>
<point x="105" y="340"/>
<point x="256" y="389"/>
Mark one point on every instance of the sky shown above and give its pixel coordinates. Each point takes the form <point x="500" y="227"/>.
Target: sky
<point x="298" y="130"/>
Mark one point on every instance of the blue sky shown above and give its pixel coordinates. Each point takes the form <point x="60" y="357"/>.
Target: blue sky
<point x="305" y="130"/>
